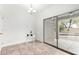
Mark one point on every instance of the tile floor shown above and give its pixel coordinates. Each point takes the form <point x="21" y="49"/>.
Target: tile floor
<point x="31" y="48"/>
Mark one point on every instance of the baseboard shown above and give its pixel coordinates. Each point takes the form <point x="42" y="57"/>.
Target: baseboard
<point x="10" y="44"/>
<point x="18" y="42"/>
<point x="14" y="43"/>
<point x="39" y="40"/>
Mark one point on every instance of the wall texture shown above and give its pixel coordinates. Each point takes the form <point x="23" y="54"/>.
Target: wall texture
<point x="16" y="24"/>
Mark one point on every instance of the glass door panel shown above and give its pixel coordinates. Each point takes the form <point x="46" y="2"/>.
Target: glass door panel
<point x="69" y="34"/>
<point x="50" y="31"/>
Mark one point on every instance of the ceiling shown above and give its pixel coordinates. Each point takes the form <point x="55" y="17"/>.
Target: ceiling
<point x="37" y="7"/>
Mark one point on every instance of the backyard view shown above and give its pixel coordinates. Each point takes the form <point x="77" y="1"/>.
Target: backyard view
<point x="68" y="25"/>
<point x="69" y="34"/>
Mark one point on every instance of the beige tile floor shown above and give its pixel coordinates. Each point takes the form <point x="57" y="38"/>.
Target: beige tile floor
<point x="31" y="48"/>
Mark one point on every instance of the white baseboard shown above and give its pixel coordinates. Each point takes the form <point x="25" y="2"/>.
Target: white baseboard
<point x="13" y="43"/>
<point x="40" y="40"/>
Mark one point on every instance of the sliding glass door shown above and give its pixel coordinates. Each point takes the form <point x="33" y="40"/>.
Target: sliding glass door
<point x="50" y="31"/>
<point x="62" y="31"/>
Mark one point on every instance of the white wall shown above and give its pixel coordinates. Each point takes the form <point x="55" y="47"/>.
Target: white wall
<point x="16" y="24"/>
<point x="52" y="10"/>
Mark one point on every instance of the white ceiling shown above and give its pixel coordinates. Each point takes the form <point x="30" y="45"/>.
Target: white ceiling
<point x="40" y="7"/>
<point x="37" y="7"/>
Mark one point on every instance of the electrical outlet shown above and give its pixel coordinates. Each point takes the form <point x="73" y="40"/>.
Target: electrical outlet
<point x="27" y="35"/>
